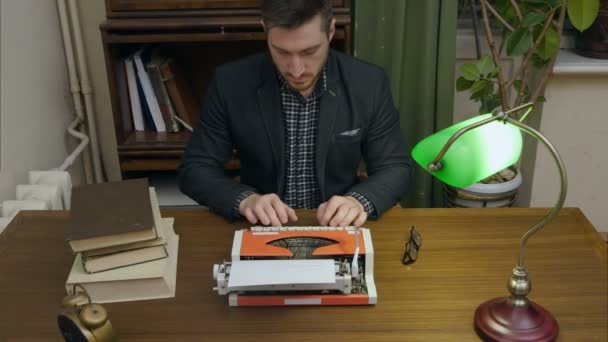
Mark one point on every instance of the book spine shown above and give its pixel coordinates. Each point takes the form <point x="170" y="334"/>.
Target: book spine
<point x="180" y="93"/>
<point x="149" y="95"/>
<point x="135" y="104"/>
<point x="164" y="103"/>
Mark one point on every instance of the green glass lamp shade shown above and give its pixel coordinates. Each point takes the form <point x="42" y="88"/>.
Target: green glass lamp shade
<point x="475" y="155"/>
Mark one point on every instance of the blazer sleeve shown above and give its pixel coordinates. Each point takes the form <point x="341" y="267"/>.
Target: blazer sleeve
<point x="385" y="153"/>
<point x="201" y="174"/>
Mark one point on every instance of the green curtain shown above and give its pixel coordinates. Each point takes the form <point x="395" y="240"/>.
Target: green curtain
<point x="415" y="42"/>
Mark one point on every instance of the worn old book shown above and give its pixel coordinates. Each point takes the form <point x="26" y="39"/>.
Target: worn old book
<point x="110" y="258"/>
<point x="106" y="262"/>
<point x="110" y="214"/>
<point x="181" y="94"/>
<point x="149" y="280"/>
<point x="159" y="240"/>
<point x="164" y="103"/>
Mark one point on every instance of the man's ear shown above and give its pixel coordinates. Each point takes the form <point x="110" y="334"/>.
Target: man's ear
<point x="332" y="29"/>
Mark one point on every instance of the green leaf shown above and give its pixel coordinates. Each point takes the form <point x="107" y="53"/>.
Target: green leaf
<point x="582" y="13"/>
<point x="541" y="99"/>
<point x="463" y="84"/>
<point x="469" y="71"/>
<point x="548" y="45"/>
<point x="533" y="19"/>
<point x="552" y="3"/>
<point x="519" y="42"/>
<point x="505" y="9"/>
<point x="494" y="73"/>
<point x="502" y="6"/>
<point x="482" y="86"/>
<point x="492" y="103"/>
<point x="538" y="62"/>
<point x="517" y="84"/>
<point x="485" y="65"/>
<point x="541" y="5"/>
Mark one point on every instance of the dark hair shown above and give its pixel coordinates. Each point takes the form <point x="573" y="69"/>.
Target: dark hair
<point x="293" y="13"/>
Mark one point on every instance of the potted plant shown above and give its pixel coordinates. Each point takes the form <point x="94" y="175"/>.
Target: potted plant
<point x="530" y="31"/>
<point x="590" y="18"/>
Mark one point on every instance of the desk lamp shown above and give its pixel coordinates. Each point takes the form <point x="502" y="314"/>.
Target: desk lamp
<point x="468" y="152"/>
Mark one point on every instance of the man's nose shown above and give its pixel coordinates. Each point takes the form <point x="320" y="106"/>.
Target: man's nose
<point x="296" y="67"/>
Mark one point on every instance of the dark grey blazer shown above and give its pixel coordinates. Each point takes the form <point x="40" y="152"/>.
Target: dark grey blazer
<point x="357" y="120"/>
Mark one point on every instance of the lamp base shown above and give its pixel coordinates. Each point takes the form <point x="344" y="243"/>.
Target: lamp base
<point x="499" y="320"/>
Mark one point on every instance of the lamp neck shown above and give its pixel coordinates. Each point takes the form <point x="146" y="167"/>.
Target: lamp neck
<point x="562" y="191"/>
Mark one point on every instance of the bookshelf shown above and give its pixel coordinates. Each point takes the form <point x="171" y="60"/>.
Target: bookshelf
<point x="198" y="36"/>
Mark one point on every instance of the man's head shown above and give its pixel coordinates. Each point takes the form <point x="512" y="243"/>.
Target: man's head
<point x="299" y="33"/>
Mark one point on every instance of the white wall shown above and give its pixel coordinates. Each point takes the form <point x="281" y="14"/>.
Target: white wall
<point x="575" y="119"/>
<point x="35" y="105"/>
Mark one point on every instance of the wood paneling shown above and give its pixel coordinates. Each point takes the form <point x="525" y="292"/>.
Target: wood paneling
<point x="176" y="8"/>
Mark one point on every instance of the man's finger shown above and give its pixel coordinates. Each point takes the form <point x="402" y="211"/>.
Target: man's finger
<point x="261" y="214"/>
<point x="279" y="209"/>
<point x="272" y="215"/>
<point x="361" y="219"/>
<point x="292" y="214"/>
<point x="321" y="212"/>
<point x="339" y="215"/>
<point x="352" y="214"/>
<point x="250" y="216"/>
<point x="330" y="210"/>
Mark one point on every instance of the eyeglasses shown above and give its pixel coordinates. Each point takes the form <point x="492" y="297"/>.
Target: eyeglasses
<point x="412" y="247"/>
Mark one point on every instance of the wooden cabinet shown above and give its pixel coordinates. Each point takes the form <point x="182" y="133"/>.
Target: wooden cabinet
<point x="172" y="8"/>
<point x="198" y="36"/>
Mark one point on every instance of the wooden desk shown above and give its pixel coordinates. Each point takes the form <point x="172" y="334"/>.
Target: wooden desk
<point x="466" y="258"/>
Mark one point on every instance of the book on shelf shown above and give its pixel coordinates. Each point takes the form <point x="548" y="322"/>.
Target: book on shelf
<point x="149" y="122"/>
<point x="141" y="58"/>
<point x="111" y="214"/>
<point x="133" y="92"/>
<point x="164" y="103"/>
<point x="181" y="94"/>
<point x="149" y="280"/>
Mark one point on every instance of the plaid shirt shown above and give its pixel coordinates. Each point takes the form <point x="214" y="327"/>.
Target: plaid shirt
<point x="301" y="115"/>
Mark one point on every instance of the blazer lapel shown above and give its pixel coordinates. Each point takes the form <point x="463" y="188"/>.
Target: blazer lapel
<point x="327" y="117"/>
<point x="272" y="117"/>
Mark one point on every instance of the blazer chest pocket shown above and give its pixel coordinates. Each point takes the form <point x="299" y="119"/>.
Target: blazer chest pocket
<point x="350" y="136"/>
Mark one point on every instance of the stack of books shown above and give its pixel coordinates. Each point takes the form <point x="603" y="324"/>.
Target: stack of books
<point x="124" y="249"/>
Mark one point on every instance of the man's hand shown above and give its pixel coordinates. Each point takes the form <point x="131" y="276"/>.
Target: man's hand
<point x="267" y="209"/>
<point x="341" y="211"/>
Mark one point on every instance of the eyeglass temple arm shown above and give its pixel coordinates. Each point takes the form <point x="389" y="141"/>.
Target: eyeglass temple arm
<point x="435" y="165"/>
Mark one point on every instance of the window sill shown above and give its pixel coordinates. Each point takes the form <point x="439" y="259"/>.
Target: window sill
<point x="568" y="63"/>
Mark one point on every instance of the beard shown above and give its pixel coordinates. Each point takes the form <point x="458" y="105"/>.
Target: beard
<point x="304" y="82"/>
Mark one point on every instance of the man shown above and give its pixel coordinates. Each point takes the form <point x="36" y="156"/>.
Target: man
<point x="301" y="117"/>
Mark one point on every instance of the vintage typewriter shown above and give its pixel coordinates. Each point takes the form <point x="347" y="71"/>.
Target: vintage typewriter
<point x="298" y="266"/>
